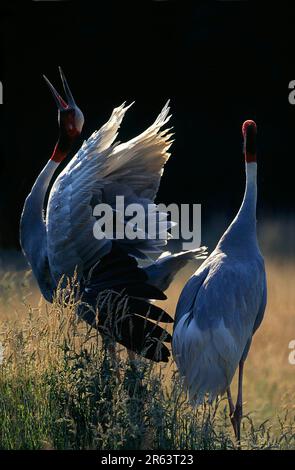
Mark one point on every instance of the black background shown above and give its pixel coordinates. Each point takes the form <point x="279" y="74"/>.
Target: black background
<point x="220" y="63"/>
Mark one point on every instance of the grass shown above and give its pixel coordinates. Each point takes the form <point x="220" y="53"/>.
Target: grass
<point x="60" y="388"/>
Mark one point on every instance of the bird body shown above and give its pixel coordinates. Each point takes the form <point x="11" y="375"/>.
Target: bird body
<point x="61" y="242"/>
<point x="223" y="303"/>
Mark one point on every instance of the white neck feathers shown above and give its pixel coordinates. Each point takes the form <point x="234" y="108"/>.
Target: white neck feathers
<point x="35" y="200"/>
<point x="242" y="231"/>
<point x="32" y="220"/>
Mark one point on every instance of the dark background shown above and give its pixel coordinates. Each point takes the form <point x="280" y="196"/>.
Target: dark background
<point x="220" y="63"/>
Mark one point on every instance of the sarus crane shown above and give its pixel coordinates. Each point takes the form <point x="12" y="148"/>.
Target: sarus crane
<point x="58" y="239"/>
<point x="223" y="304"/>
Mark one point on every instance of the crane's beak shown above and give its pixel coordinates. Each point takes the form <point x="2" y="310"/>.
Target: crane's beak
<point x="60" y="102"/>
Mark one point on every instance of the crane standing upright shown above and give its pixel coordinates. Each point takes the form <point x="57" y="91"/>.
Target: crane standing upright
<point x="223" y="303"/>
<point x="63" y="243"/>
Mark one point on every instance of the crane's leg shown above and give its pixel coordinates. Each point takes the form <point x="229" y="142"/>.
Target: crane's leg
<point x="231" y="410"/>
<point x="238" y="413"/>
<point x="230" y="403"/>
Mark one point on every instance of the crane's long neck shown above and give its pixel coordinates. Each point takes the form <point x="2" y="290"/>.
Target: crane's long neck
<point x="33" y="208"/>
<point x="32" y="227"/>
<point x="242" y="231"/>
<point x="33" y="231"/>
<point x="247" y="212"/>
<point x="240" y="237"/>
<point x="32" y="220"/>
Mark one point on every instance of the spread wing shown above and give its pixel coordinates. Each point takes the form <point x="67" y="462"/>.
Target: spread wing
<point x="99" y="172"/>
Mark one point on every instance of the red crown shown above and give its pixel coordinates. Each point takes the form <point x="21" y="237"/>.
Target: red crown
<point x="247" y="124"/>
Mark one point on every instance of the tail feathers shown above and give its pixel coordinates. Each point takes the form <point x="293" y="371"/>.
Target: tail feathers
<point x="118" y="317"/>
<point x="206" y="359"/>
<point x="162" y="272"/>
<point x="115" y="300"/>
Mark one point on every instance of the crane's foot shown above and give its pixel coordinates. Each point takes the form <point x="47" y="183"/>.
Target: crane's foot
<point x="237" y="415"/>
<point x="236" y="419"/>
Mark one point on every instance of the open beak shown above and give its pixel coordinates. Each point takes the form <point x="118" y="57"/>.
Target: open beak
<point x="60" y="102"/>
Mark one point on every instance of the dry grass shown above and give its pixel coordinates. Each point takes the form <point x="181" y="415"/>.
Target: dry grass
<point x="269" y="377"/>
<point x="54" y="366"/>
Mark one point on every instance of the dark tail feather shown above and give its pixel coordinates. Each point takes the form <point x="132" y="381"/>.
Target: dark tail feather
<point x="115" y="300"/>
<point x="126" y="320"/>
<point x="150" y="311"/>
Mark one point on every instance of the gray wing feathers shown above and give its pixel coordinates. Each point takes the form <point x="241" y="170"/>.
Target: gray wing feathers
<point x="261" y="311"/>
<point x="140" y="161"/>
<point x="135" y="166"/>
<point x="189" y="293"/>
<point x="162" y="272"/>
